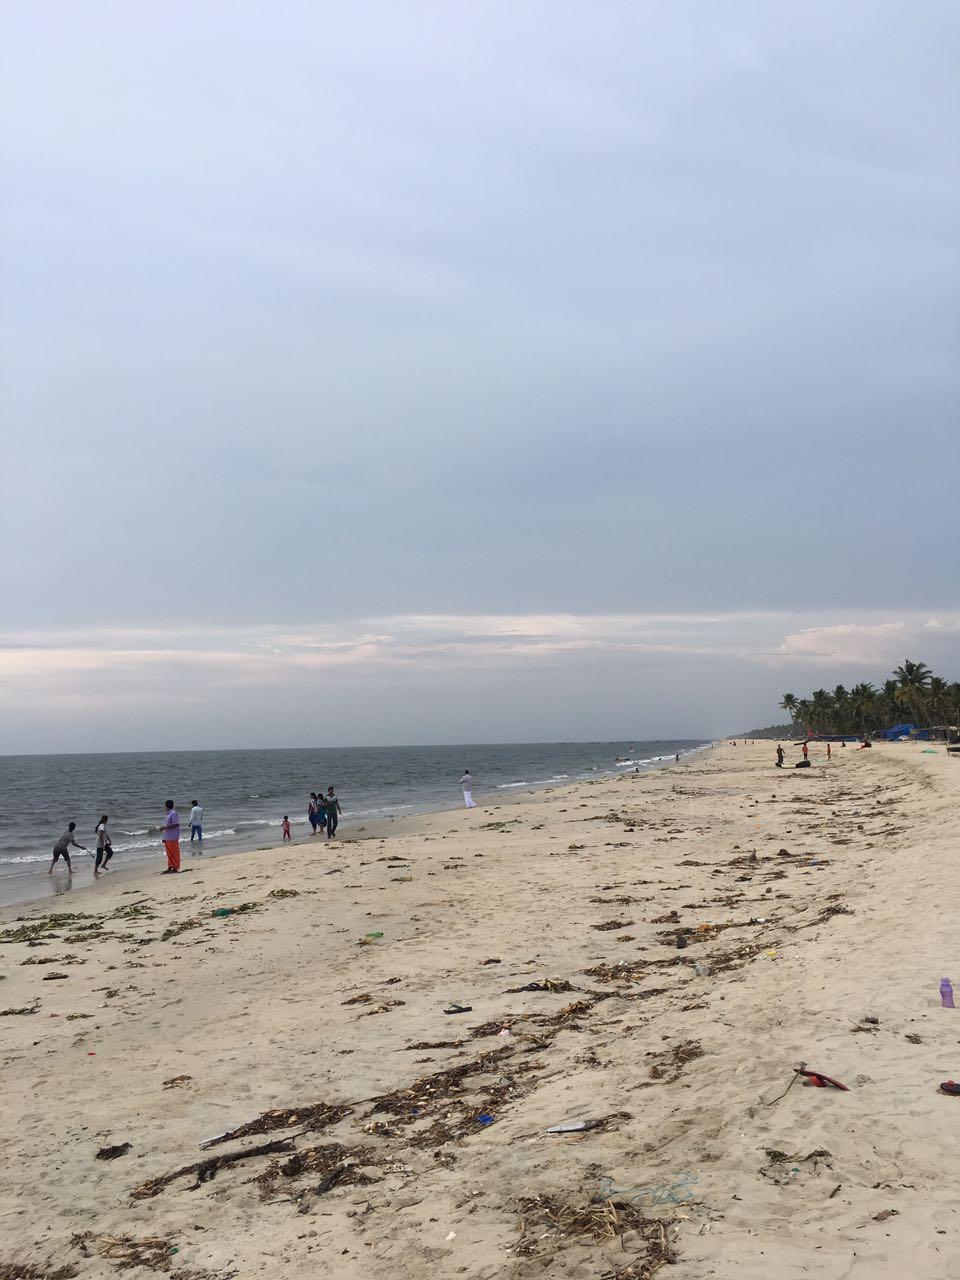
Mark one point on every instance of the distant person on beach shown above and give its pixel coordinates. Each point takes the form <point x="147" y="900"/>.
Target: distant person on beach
<point x="333" y="812"/>
<point x="676" y="759"/>
<point x="829" y="752"/>
<point x="467" y="783"/>
<point x="170" y="834"/>
<point x="60" y="848"/>
<point x="779" y="756"/>
<point x="312" y="812"/>
<point x="196" y="826"/>
<point x="285" y="827"/>
<point x="806" y="751"/>
<point x="104" y="847"/>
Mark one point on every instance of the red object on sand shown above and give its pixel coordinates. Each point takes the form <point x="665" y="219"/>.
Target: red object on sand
<point x="821" y="1081"/>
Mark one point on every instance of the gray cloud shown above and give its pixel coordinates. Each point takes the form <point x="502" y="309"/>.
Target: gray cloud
<point x="335" y="312"/>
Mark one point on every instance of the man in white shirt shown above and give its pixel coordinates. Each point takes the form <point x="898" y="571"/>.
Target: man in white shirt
<point x="467" y="783"/>
<point x="196" y="825"/>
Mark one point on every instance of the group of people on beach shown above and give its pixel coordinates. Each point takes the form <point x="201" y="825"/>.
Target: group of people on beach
<point x="169" y="834"/>
<point x="323" y="813"/>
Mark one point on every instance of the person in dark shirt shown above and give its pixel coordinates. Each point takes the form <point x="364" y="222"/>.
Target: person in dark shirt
<point x="63" y="844"/>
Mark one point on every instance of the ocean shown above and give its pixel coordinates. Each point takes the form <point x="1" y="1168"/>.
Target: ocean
<point x="246" y="793"/>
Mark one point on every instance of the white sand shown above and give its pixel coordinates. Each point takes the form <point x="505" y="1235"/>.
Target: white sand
<point x="251" y="1009"/>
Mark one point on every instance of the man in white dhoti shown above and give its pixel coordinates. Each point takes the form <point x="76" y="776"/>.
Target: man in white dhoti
<point x="467" y="783"/>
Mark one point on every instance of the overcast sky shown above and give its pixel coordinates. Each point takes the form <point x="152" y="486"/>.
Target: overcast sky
<point x="416" y="372"/>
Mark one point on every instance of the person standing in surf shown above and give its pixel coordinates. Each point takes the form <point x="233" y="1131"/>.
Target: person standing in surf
<point x="467" y="783"/>
<point x="333" y="812"/>
<point x="196" y="826"/>
<point x="60" y="848"/>
<point x="170" y="835"/>
<point x="104" y="847"/>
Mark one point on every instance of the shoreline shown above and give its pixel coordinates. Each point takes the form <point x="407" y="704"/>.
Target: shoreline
<point x="368" y="1130"/>
<point x="44" y="888"/>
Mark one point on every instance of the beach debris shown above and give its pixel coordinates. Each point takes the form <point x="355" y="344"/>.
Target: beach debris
<point x="884" y="1214"/>
<point x="547" y="1225"/>
<point x="33" y="1271"/>
<point x="113" y="1153"/>
<point x="181" y="926"/>
<point x="874" y="1022"/>
<point x="284" y="893"/>
<point x="67" y="959"/>
<point x="22" y="1011"/>
<point x="612" y="924"/>
<point x="241" y="909"/>
<point x="777" y="1169"/>
<point x="575" y="1126"/>
<point x="671" y="1064"/>
<point x="671" y="917"/>
<point x="951" y="1087"/>
<point x="311" y="1118"/>
<point x="335" y="1163"/>
<point x="363" y="998"/>
<point x="382" y="1008"/>
<point x="544" y="984"/>
<point x="176" y="1082"/>
<point x="54" y="977"/>
<point x="484" y="1118"/>
<point x="492" y="960"/>
<point x="459" y="1008"/>
<point x="818" y="1080"/>
<point x="127" y="1252"/>
<point x="206" y="1170"/>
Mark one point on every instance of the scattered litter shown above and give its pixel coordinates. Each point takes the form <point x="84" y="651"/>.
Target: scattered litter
<point x="951" y="1087"/>
<point x="884" y="1214"/>
<point x="176" y="1081"/>
<point x="818" y="1080"/>
<point x="576" y="1126"/>
<point x="485" y="1119"/>
<point x="459" y="1008"/>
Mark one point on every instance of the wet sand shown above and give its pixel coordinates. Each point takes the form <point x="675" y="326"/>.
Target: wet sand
<point x="386" y="1137"/>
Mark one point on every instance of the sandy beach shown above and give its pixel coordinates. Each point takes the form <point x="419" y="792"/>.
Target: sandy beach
<point x="360" y="1130"/>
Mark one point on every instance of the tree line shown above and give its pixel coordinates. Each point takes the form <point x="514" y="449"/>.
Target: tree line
<point x="913" y="693"/>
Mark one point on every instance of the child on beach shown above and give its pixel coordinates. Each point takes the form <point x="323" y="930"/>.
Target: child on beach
<point x="285" y="827"/>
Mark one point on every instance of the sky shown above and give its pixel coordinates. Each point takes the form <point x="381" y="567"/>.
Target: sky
<point x="431" y="372"/>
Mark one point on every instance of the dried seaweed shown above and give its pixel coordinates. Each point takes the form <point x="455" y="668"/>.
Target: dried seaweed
<point x="126" y="1252"/>
<point x="113" y="1153"/>
<point x="31" y="1271"/>
<point x="547" y="1226"/>
<point x="30" y="930"/>
<point x="181" y="926"/>
<point x="544" y="984"/>
<point x="284" y="893"/>
<point x="670" y="1065"/>
<point x="335" y="1162"/>
<point x="311" y="1119"/>
<point x="612" y="924"/>
<point x="22" y="1011"/>
<point x="206" y="1170"/>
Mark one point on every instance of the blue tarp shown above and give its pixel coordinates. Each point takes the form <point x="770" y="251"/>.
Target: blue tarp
<point x="898" y="731"/>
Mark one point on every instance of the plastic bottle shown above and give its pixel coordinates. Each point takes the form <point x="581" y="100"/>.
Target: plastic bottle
<point x="946" y="994"/>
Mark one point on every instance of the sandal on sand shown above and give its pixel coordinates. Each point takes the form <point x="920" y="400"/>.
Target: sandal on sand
<point x="820" y="1081"/>
<point x="950" y="1086"/>
<point x="459" y="1008"/>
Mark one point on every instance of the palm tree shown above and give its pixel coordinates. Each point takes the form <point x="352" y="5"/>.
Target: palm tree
<point x="913" y="679"/>
<point x="938" y="699"/>
<point x="789" y="703"/>
<point x="821" y="706"/>
<point x="840" y="702"/>
<point x="863" y="704"/>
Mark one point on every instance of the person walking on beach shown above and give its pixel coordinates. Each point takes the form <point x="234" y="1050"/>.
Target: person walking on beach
<point x="196" y="826"/>
<point x="285" y="827"/>
<point x="60" y="848"/>
<point x="467" y="783"/>
<point x="333" y="812"/>
<point x="829" y="752"/>
<point x="779" y="756"/>
<point x="312" y="812"/>
<point x="170" y="834"/>
<point x="104" y="847"/>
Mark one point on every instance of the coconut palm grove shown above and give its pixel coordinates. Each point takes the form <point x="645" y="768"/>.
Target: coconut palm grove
<point x="913" y="693"/>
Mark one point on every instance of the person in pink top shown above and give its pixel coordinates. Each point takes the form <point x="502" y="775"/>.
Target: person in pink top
<point x="170" y="834"/>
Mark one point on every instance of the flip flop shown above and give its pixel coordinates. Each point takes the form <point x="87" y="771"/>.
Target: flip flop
<point x="950" y="1086"/>
<point x="459" y="1008"/>
<point x="820" y="1081"/>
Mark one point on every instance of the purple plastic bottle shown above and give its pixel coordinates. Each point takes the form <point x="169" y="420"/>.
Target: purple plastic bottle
<point x="946" y="994"/>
